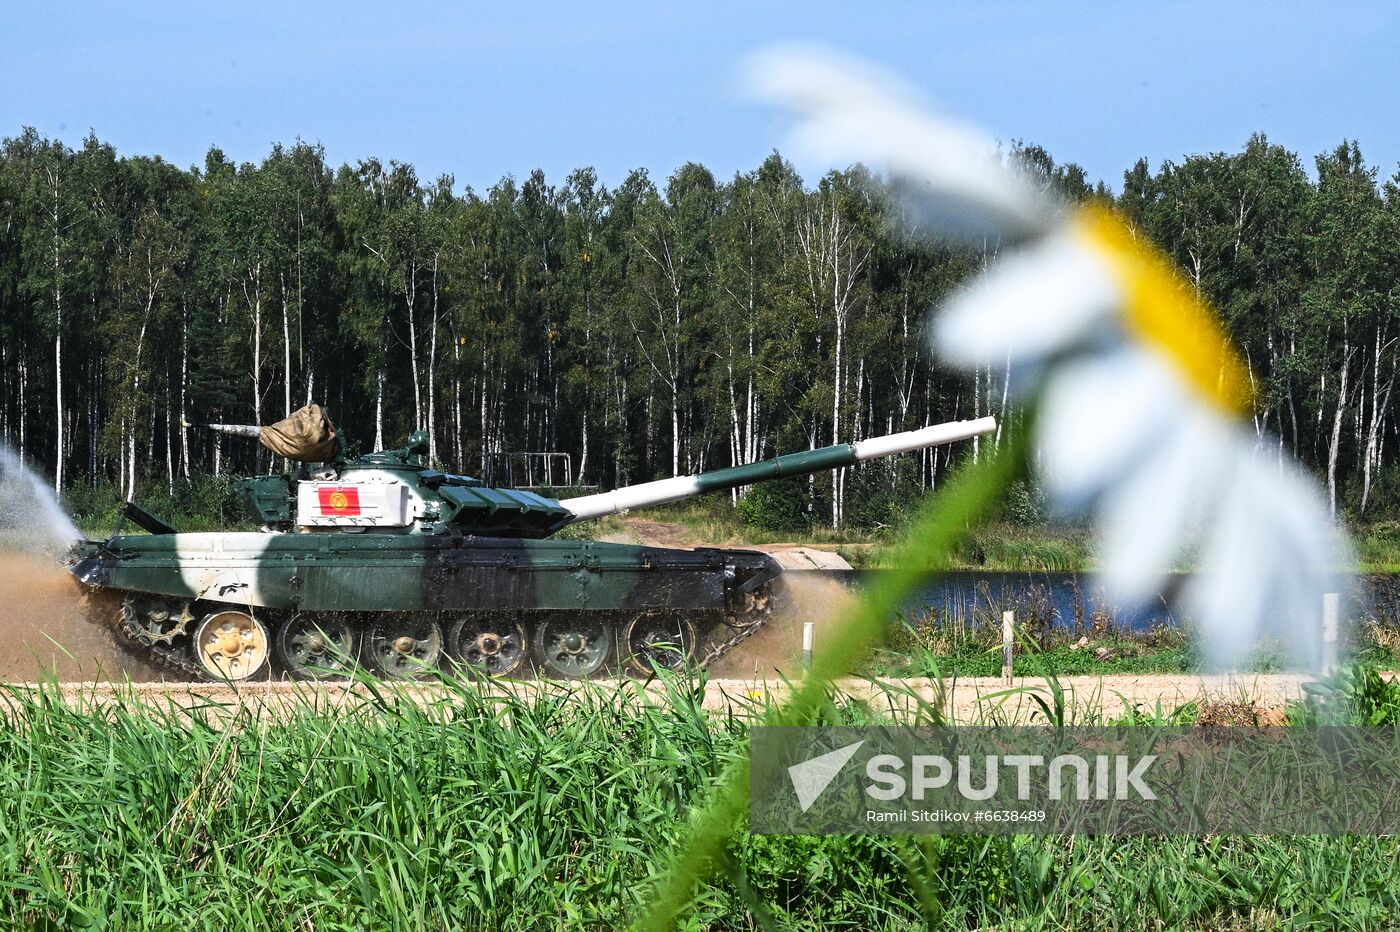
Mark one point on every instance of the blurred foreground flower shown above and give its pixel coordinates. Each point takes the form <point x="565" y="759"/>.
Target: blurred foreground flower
<point x="1141" y="402"/>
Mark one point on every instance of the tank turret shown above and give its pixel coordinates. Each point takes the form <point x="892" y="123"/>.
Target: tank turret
<point x="384" y="559"/>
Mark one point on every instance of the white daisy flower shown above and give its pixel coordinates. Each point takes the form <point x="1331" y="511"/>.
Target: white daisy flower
<point x="1142" y="402"/>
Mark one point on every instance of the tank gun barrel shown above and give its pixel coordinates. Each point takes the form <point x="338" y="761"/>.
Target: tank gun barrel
<point x="238" y="430"/>
<point x="306" y="435"/>
<point x="780" y="467"/>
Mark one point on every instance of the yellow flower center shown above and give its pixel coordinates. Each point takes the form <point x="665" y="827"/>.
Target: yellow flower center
<point x="1165" y="312"/>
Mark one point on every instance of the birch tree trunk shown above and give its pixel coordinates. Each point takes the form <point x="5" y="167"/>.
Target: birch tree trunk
<point x="1334" y="447"/>
<point x="410" y="299"/>
<point x="57" y="229"/>
<point x="456" y="403"/>
<point x="169" y="443"/>
<point x="379" y="411"/>
<point x="1380" y="402"/>
<point x="432" y="370"/>
<point x="252" y="292"/>
<point x="23" y="404"/>
<point x="833" y="262"/>
<point x="135" y="394"/>
<point x="481" y="440"/>
<point x="286" y="350"/>
<point x="184" y="385"/>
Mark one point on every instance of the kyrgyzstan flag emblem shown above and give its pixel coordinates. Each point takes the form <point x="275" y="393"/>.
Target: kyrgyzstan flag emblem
<point x="339" y="500"/>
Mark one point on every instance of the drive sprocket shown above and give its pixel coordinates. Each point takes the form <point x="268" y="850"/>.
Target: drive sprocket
<point x="152" y="622"/>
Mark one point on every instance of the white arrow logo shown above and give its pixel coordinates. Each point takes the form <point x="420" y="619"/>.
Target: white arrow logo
<point x="811" y="777"/>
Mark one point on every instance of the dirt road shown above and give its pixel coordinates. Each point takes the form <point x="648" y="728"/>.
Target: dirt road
<point x="651" y="533"/>
<point x="1255" y="699"/>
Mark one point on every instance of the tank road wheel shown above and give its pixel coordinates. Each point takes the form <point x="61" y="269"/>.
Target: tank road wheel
<point x="404" y="648"/>
<point x="317" y="648"/>
<point x="664" y="641"/>
<point x="573" y="646"/>
<point x="231" y="646"/>
<point x="484" y="644"/>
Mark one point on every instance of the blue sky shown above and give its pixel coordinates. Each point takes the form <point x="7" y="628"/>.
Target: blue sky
<point x="481" y="90"/>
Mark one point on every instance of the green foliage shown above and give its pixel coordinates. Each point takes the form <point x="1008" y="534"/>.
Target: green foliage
<point x="1357" y="694"/>
<point x="775" y="506"/>
<point x="1010" y="546"/>
<point x="934" y="650"/>
<point x="1024" y="504"/>
<point x="206" y="503"/>
<point x="648" y="329"/>
<point x="1384" y="504"/>
<point x="883" y="495"/>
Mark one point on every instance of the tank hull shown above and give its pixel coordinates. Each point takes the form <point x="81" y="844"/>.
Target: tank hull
<point x="399" y="572"/>
<point x="221" y="603"/>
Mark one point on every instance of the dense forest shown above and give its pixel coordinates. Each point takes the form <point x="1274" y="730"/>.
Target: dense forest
<point x="649" y="329"/>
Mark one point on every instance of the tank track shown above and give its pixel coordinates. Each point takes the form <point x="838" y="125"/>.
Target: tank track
<point x="744" y="633"/>
<point x="172" y="659"/>
<point x="162" y="651"/>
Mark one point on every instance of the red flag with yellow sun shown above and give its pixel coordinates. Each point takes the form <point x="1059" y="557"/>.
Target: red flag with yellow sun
<point x="338" y="501"/>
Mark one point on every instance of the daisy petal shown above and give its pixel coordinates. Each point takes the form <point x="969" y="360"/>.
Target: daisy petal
<point x="849" y="112"/>
<point x="1223" y="601"/>
<point x="1148" y="519"/>
<point x="1099" y="418"/>
<point x="1273" y="554"/>
<point x="1035" y="304"/>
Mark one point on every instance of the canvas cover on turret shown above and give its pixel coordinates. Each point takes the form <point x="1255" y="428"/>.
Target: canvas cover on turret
<point x="306" y="435"/>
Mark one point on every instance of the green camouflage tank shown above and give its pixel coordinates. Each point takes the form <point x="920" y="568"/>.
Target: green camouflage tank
<point x="383" y="560"/>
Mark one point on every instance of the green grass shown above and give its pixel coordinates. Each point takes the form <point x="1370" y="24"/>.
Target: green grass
<point x="545" y="811"/>
<point x="921" y="646"/>
<point x="713" y="520"/>
<point x="992" y="547"/>
<point x="1378" y="547"/>
<point x="467" y="813"/>
<point x="1122" y="655"/>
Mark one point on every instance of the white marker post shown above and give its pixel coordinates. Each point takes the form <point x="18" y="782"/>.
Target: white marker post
<point x="1331" y="616"/>
<point x="1008" y="640"/>
<point x="809" y="635"/>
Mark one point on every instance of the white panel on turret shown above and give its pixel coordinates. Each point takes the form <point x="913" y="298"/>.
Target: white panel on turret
<point x="352" y="504"/>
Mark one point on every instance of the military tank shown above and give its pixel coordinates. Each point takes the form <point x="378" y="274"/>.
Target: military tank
<point x="384" y="561"/>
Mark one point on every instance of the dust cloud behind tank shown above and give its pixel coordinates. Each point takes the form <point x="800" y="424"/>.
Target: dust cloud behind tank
<point x="382" y="560"/>
<point x="41" y="629"/>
